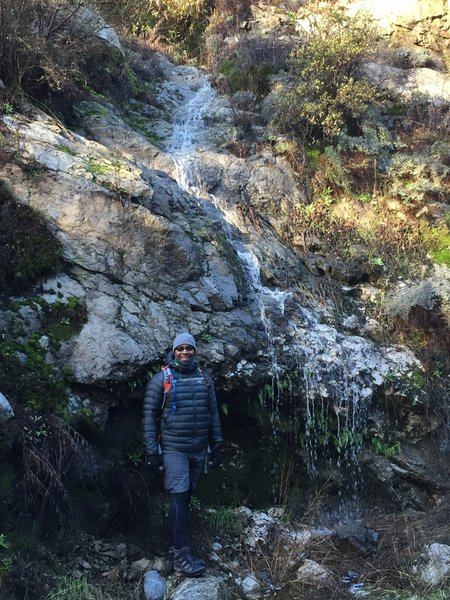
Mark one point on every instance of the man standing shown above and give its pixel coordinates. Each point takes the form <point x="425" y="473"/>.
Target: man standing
<point x="180" y="419"/>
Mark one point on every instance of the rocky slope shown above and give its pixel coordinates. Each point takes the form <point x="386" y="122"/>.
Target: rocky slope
<point x="161" y="229"/>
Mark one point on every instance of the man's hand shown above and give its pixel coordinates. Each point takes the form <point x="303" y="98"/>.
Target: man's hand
<point x="215" y="459"/>
<point x="155" y="464"/>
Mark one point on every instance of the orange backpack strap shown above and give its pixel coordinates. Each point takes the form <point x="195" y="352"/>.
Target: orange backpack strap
<point x="169" y="383"/>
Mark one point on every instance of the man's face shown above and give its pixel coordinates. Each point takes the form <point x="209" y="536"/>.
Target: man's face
<point x="184" y="353"/>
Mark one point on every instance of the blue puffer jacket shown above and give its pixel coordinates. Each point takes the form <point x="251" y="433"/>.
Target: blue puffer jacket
<point x="191" y="422"/>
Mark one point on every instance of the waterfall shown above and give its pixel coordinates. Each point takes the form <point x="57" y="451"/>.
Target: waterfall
<point x="185" y="146"/>
<point x="188" y="132"/>
<point x="336" y="373"/>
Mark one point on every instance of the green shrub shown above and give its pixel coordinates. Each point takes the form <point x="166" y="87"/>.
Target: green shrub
<point x="254" y="78"/>
<point x="33" y="382"/>
<point x="386" y="449"/>
<point x="45" y="55"/>
<point x="252" y="62"/>
<point x="6" y="559"/>
<point x="224" y="520"/>
<point x="62" y="320"/>
<point x="437" y="240"/>
<point x="415" y="179"/>
<point x="329" y="96"/>
<point x="174" y="22"/>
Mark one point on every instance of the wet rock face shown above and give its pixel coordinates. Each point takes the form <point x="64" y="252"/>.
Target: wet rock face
<point x="410" y="479"/>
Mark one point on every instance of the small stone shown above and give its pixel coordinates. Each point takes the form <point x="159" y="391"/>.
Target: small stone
<point x="161" y="565"/>
<point x="250" y="584"/>
<point x="311" y="571"/>
<point x="44" y="342"/>
<point x="154" y="586"/>
<point x="138" y="567"/>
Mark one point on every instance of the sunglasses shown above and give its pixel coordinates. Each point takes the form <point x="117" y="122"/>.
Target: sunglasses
<point x="184" y="349"/>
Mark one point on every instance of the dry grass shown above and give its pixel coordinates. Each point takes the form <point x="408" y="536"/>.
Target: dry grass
<point x="387" y="232"/>
<point x="403" y="536"/>
<point x="53" y="454"/>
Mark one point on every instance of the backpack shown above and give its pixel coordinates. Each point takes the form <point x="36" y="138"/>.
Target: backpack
<point x="169" y="383"/>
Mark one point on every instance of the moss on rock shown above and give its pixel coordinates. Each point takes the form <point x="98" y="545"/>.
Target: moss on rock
<point x="28" y="250"/>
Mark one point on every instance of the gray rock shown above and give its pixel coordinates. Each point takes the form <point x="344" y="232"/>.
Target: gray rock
<point x="313" y="572"/>
<point x="6" y="410"/>
<point x="358" y="535"/>
<point x="209" y="587"/>
<point x="154" y="586"/>
<point x="138" y="567"/>
<point x="408" y="82"/>
<point x="250" y="584"/>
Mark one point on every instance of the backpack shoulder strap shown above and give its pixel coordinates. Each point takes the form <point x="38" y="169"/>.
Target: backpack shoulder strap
<point x="169" y="384"/>
<point x="203" y="374"/>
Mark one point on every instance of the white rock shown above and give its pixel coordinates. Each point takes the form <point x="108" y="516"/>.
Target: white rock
<point x="250" y="584"/>
<point x="436" y="565"/>
<point x="312" y="571"/>
<point x="262" y="518"/>
<point x="44" y="342"/>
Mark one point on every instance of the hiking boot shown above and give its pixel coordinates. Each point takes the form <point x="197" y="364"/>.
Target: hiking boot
<point x="185" y="563"/>
<point x="198" y="560"/>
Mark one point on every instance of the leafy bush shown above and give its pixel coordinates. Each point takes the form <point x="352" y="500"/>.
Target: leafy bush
<point x="227" y="15"/>
<point x="35" y="384"/>
<point x="246" y="77"/>
<point x="252" y="62"/>
<point x="414" y="179"/>
<point x="6" y="559"/>
<point x="174" y="22"/>
<point x="328" y="94"/>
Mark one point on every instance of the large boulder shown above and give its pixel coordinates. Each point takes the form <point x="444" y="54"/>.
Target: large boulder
<point x="204" y="588"/>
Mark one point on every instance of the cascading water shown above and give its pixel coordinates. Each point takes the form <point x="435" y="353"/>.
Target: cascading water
<point x="337" y="396"/>
<point x="336" y="373"/>
<point x="189" y="132"/>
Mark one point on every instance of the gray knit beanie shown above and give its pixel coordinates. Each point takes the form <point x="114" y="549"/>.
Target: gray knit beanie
<point x="184" y="338"/>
